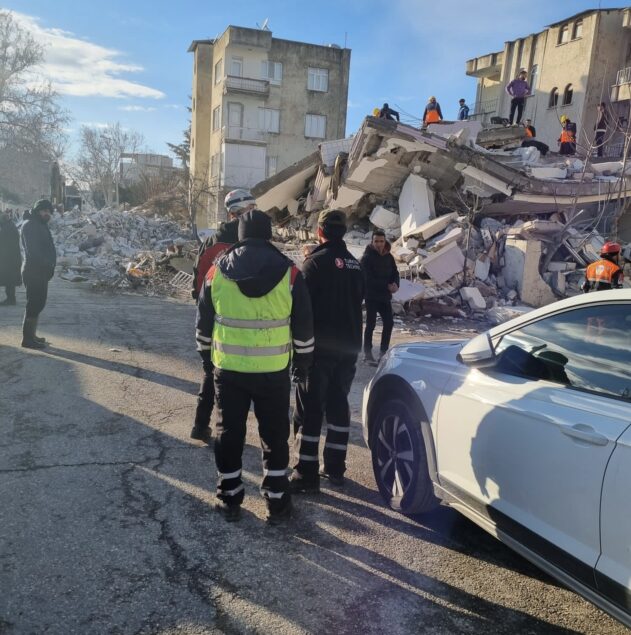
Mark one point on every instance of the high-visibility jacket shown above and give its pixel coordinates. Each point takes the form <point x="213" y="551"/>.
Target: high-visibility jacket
<point x="432" y="116"/>
<point x="529" y="132"/>
<point x="250" y="335"/>
<point x="568" y="136"/>
<point x="601" y="274"/>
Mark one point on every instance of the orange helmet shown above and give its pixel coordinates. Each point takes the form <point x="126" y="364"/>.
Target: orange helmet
<point x="610" y="249"/>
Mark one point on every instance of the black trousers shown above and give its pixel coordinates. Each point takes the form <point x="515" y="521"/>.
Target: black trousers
<point x="326" y="390"/>
<point x="517" y="104"/>
<point x="600" y="141"/>
<point x="384" y="309"/>
<point x="36" y="295"/>
<point x="9" y="289"/>
<point x="234" y="392"/>
<point x="205" y="397"/>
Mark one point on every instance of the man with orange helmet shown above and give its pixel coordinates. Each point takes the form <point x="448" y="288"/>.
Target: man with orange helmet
<point x="604" y="273"/>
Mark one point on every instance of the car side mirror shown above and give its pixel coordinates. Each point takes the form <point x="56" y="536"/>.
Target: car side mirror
<point x="478" y="352"/>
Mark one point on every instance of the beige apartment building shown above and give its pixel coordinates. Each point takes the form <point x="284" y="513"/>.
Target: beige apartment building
<point x="572" y="66"/>
<point x="259" y="104"/>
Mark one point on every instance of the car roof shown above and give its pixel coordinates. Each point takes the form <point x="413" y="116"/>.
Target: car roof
<point x="585" y="299"/>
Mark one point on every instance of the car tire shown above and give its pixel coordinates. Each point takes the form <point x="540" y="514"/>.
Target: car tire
<point x="399" y="459"/>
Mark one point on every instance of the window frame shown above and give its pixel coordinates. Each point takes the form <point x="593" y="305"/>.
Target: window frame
<point x="320" y="117"/>
<point x="272" y="79"/>
<point x="215" y="123"/>
<point x="564" y="30"/>
<point x="568" y="95"/>
<point x="553" y="98"/>
<point x="317" y="73"/>
<point x="578" y="25"/>
<point x="218" y="70"/>
<point x="233" y="59"/>
<point x="262" y="110"/>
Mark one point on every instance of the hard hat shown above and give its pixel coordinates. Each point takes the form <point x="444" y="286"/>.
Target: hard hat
<point x="238" y="199"/>
<point x="564" y="118"/>
<point x="375" y="112"/>
<point x="610" y="249"/>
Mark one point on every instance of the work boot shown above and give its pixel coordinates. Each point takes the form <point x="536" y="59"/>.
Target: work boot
<point x="231" y="513"/>
<point x="279" y="516"/>
<point x="368" y="358"/>
<point x="336" y="481"/>
<point x="42" y="340"/>
<point x="202" y="434"/>
<point x="28" y="334"/>
<point x="298" y="484"/>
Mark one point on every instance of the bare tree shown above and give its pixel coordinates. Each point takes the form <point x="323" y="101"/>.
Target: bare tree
<point x="99" y="156"/>
<point x="30" y="114"/>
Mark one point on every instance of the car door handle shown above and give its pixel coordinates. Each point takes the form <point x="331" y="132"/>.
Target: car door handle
<point x="584" y="433"/>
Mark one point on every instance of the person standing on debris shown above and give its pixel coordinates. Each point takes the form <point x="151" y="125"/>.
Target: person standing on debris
<point x="463" y="111"/>
<point x="567" y="140"/>
<point x="382" y="280"/>
<point x="10" y="257"/>
<point x="432" y="112"/>
<point x="518" y="89"/>
<point x="388" y="113"/>
<point x="253" y="309"/>
<point x="336" y="287"/>
<point x="237" y="202"/>
<point x="530" y="140"/>
<point x="40" y="259"/>
<point x="601" y="128"/>
<point x="605" y="273"/>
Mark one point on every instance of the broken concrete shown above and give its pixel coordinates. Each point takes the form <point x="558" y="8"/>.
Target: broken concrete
<point x="473" y="297"/>
<point x="444" y="264"/>
<point x="416" y="205"/>
<point x="432" y="227"/>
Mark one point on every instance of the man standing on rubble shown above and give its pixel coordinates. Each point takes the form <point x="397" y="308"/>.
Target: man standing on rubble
<point x="253" y="309"/>
<point x="605" y="273"/>
<point x="336" y="286"/>
<point x="10" y="257"/>
<point x="388" y="113"/>
<point x="237" y="202"/>
<point x="463" y="111"/>
<point x="518" y="89"/>
<point x="567" y="140"/>
<point x="432" y="112"/>
<point x="40" y="259"/>
<point x="382" y="280"/>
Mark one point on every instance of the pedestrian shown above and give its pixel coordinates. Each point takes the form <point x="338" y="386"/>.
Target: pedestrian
<point x="601" y="128"/>
<point x="336" y="286"/>
<point x="237" y="202"/>
<point x="10" y="257"/>
<point x="463" y="111"/>
<point x="605" y="273"/>
<point x="38" y="268"/>
<point x="382" y="280"/>
<point x="432" y="113"/>
<point x="253" y="307"/>
<point x="567" y="140"/>
<point x="518" y="89"/>
<point x="388" y="113"/>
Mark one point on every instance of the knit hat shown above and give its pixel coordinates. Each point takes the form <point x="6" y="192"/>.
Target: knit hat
<point x="332" y="217"/>
<point x="42" y="204"/>
<point x="255" y="224"/>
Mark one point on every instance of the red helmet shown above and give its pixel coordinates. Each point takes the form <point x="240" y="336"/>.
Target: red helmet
<point x="610" y="249"/>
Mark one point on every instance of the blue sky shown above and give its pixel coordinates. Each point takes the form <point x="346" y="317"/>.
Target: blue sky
<point x="127" y="60"/>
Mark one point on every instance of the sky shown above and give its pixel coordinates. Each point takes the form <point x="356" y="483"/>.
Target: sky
<point x="127" y="60"/>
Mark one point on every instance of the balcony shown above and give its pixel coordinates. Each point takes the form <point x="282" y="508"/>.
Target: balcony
<point x="233" y="84"/>
<point x="486" y="66"/>
<point x="621" y="90"/>
<point x="237" y="133"/>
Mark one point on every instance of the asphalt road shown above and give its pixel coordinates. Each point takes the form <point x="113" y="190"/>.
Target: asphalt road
<point x="106" y="520"/>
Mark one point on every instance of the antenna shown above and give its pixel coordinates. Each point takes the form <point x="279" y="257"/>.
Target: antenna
<point x="265" y="25"/>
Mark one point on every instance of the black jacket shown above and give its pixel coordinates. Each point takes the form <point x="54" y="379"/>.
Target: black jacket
<point x="257" y="267"/>
<point x="40" y="257"/>
<point x="379" y="271"/>
<point x="336" y="285"/>
<point x="10" y="256"/>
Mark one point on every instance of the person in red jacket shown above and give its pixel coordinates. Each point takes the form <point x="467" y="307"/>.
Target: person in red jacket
<point x="237" y="203"/>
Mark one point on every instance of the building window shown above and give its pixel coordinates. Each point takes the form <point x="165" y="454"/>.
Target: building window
<point x="315" y="126"/>
<point x="534" y="77"/>
<point x="564" y="34"/>
<point x="272" y="72"/>
<point x="554" y="98"/>
<point x="577" y="31"/>
<point x="236" y="67"/>
<point x="217" y="118"/>
<point x="218" y="71"/>
<point x="318" y="79"/>
<point x="567" y="95"/>
<point x="269" y="120"/>
<point x="214" y="165"/>
<point x="270" y="166"/>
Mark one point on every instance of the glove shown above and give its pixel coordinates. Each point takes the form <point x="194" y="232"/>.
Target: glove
<point x="299" y="374"/>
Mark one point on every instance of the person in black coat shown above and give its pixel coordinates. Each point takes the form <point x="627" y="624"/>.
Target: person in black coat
<point x="382" y="280"/>
<point x="38" y="268"/>
<point x="10" y="258"/>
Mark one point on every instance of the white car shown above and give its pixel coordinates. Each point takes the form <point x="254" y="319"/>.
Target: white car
<point x="526" y="430"/>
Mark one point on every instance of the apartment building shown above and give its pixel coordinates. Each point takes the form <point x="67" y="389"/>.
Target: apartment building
<point x="572" y="65"/>
<point x="259" y="104"/>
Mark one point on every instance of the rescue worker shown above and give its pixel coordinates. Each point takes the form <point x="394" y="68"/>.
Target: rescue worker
<point x="254" y="305"/>
<point x="40" y="259"/>
<point x="567" y="140"/>
<point x="432" y="112"/>
<point x="388" y="113"/>
<point x="237" y="202"/>
<point x="530" y="139"/>
<point x="463" y="110"/>
<point x="10" y="257"/>
<point x="531" y="132"/>
<point x="336" y="286"/>
<point x="518" y="89"/>
<point x="382" y="280"/>
<point x="605" y="273"/>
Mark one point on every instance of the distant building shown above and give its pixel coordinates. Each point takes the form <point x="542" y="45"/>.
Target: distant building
<point x="134" y="167"/>
<point x="572" y="66"/>
<point x="259" y="104"/>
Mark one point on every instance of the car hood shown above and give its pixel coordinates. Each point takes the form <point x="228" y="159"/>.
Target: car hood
<point x="445" y="350"/>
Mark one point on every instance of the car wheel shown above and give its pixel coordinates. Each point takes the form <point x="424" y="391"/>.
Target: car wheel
<point x="399" y="459"/>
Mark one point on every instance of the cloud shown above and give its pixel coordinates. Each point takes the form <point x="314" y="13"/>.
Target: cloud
<point x="134" y="108"/>
<point x="173" y="106"/>
<point x="94" y="124"/>
<point x="81" y="68"/>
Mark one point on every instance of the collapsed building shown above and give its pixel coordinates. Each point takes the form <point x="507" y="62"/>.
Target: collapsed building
<point x="475" y="220"/>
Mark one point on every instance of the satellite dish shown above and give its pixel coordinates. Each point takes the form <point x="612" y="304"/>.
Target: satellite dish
<point x="265" y="25"/>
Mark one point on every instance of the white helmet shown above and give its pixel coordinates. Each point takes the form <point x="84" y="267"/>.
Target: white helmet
<point x="237" y="200"/>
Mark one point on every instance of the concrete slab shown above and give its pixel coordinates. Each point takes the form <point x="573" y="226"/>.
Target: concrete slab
<point x="384" y="218"/>
<point x="409" y="290"/>
<point x="482" y="267"/>
<point x="473" y="297"/>
<point x="549" y="173"/>
<point x="444" y="264"/>
<point x="416" y="204"/>
<point x="433" y="227"/>
<point x="473" y="128"/>
<point x="452" y="236"/>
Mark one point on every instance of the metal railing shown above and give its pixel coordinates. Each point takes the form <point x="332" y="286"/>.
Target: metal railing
<point x="624" y="76"/>
<point x="246" y="84"/>
<point x="235" y="133"/>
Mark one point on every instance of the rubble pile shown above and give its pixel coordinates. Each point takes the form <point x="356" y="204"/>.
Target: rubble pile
<point x="118" y="249"/>
<point x="477" y="224"/>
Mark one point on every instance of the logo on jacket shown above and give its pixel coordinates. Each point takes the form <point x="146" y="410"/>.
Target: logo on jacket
<point x="339" y="263"/>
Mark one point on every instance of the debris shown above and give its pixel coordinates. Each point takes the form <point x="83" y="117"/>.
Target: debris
<point x="444" y="263"/>
<point x="416" y="205"/>
<point x="473" y="297"/>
